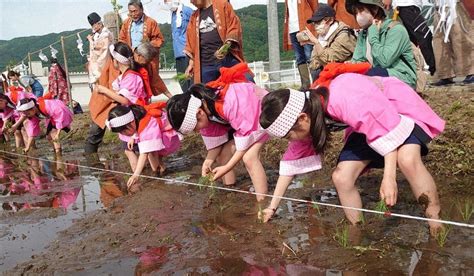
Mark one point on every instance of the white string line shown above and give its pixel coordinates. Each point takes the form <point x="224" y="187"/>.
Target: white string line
<point x="171" y="180"/>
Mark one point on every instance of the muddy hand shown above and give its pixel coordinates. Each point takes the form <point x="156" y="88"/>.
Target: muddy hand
<point x="206" y="167"/>
<point x="132" y="181"/>
<point x="219" y="172"/>
<point x="189" y="71"/>
<point x="266" y="214"/>
<point x="130" y="144"/>
<point x="389" y="191"/>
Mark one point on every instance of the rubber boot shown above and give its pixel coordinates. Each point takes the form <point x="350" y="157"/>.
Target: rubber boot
<point x="304" y="75"/>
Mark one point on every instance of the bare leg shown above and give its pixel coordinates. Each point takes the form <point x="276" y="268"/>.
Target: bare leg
<point x="132" y="158"/>
<point x="255" y="169"/>
<point x="56" y="144"/>
<point x="156" y="162"/>
<point x="344" y="178"/>
<point x="18" y="139"/>
<point x="226" y="153"/>
<point x="421" y="182"/>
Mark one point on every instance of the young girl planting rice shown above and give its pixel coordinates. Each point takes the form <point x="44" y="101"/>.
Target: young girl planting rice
<point x="388" y="125"/>
<point x="226" y="113"/>
<point x="149" y="128"/>
<point x="57" y="117"/>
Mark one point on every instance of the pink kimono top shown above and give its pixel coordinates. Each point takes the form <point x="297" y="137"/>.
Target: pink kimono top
<point x="242" y="108"/>
<point x="58" y="114"/>
<point x="385" y="110"/>
<point x="31" y="126"/>
<point x="158" y="136"/>
<point x="130" y="86"/>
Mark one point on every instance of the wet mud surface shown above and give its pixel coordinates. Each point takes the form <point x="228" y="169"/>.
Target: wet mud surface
<point x="61" y="219"/>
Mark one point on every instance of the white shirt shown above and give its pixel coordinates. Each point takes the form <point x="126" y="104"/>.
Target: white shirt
<point x="407" y="3"/>
<point x="293" y="22"/>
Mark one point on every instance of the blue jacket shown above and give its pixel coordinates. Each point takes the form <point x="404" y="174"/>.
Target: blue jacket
<point x="179" y="33"/>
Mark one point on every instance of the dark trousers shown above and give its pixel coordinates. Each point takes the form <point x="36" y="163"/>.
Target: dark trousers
<point x="302" y="53"/>
<point x="181" y="65"/>
<point x="377" y="71"/>
<point x="419" y="33"/>
<point x="94" y="138"/>
<point x="211" y="72"/>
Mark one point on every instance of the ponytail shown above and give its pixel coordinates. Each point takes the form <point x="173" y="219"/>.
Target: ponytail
<point x="315" y="107"/>
<point x="207" y="95"/>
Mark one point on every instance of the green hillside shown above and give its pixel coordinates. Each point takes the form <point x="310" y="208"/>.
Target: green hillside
<point x="254" y="24"/>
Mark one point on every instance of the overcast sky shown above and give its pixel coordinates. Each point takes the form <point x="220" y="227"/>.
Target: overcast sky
<point x="20" y="18"/>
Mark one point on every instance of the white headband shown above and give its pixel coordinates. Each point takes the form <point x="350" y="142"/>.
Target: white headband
<point x="287" y="118"/>
<point x="118" y="56"/>
<point x="26" y="106"/>
<point x="190" y="119"/>
<point x="121" y="120"/>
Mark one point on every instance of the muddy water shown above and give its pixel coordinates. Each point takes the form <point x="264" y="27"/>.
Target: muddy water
<point x="40" y="199"/>
<point x="80" y="221"/>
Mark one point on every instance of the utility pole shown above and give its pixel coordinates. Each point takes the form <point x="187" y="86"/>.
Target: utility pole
<point x="273" y="39"/>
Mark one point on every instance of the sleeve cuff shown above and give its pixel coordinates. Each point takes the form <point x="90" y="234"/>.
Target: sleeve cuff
<point x="245" y="142"/>
<point x="150" y="146"/>
<point x="300" y="166"/>
<point x="214" y="142"/>
<point x="394" y="138"/>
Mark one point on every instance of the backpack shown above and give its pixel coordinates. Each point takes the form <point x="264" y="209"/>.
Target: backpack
<point x="421" y="74"/>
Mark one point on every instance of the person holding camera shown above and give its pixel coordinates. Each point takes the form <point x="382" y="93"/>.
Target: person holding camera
<point x="335" y="42"/>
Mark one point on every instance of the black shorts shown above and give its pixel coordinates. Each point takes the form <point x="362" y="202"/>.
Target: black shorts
<point x="357" y="149"/>
<point x="51" y="127"/>
<point x="124" y="146"/>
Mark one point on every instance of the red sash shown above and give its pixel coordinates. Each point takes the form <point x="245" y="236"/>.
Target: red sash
<point x="234" y="74"/>
<point x="334" y="69"/>
<point x="42" y="106"/>
<point x="154" y="110"/>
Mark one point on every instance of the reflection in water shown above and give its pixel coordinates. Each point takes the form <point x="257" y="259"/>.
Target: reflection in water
<point x="31" y="183"/>
<point x="40" y="198"/>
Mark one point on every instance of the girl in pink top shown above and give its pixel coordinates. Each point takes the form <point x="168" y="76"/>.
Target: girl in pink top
<point x="57" y="117"/>
<point x="126" y="90"/>
<point x="149" y="127"/>
<point x="25" y="133"/>
<point x="388" y="124"/>
<point x="218" y="114"/>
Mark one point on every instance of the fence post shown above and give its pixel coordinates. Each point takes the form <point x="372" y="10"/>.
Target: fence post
<point x="29" y="63"/>
<point x="67" y="72"/>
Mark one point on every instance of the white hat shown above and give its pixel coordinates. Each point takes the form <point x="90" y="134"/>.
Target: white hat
<point x="120" y="121"/>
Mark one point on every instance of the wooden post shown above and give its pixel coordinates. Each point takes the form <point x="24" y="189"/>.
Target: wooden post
<point x="67" y="72"/>
<point x="29" y="63"/>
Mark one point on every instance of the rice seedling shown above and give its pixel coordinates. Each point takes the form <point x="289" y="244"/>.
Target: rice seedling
<point x="316" y="206"/>
<point x="208" y="181"/>
<point x="442" y="235"/>
<point x="224" y="49"/>
<point x="361" y="219"/>
<point x="382" y="207"/>
<point x="466" y="210"/>
<point x="260" y="214"/>
<point x="181" y="77"/>
<point x="342" y="236"/>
